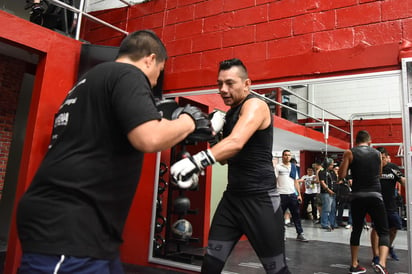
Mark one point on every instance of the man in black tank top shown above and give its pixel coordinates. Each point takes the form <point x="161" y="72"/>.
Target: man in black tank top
<point x="366" y="166"/>
<point x="251" y="204"/>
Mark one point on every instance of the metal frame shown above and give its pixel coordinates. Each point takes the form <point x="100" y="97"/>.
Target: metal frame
<point x="406" y="75"/>
<point x="81" y="13"/>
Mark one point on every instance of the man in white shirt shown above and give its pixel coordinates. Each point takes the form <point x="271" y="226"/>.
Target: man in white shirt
<point x="311" y="190"/>
<point x="288" y="188"/>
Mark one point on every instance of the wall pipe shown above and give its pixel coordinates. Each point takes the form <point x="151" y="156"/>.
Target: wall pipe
<point x="369" y="114"/>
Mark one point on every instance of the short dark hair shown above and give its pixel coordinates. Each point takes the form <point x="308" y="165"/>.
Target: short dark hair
<point x="327" y="162"/>
<point x="382" y="150"/>
<point x="286" y="150"/>
<point x="142" y="43"/>
<point x="234" y="62"/>
<point x="362" y="137"/>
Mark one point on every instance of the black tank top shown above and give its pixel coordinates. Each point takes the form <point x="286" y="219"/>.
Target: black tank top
<point x="365" y="169"/>
<point x="250" y="170"/>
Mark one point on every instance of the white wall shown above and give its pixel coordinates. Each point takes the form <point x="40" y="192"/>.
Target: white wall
<point x="352" y="96"/>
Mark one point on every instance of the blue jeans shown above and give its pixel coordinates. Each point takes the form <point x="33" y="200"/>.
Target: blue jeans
<point x="328" y="217"/>
<point x="35" y="263"/>
<point x="291" y="201"/>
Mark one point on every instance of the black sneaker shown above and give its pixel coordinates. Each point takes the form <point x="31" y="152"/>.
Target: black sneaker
<point x="357" y="269"/>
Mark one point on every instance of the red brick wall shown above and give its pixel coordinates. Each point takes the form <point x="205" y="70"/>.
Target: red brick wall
<point x="276" y="39"/>
<point x="11" y="74"/>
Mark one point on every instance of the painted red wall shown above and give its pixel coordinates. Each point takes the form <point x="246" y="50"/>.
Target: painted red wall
<point x="276" y="39"/>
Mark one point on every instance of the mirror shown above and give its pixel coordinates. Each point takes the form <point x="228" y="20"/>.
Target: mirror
<point x="343" y="103"/>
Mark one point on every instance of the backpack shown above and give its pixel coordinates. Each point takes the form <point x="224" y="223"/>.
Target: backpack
<point x="343" y="192"/>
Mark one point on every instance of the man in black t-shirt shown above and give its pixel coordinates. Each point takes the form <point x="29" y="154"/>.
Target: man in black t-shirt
<point x="328" y="180"/>
<point x="391" y="175"/>
<point x="71" y="218"/>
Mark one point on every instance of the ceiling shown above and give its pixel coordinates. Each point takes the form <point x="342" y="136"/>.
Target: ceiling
<point x="284" y="139"/>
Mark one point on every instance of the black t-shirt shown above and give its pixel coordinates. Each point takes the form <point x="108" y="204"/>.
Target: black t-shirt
<point x="330" y="178"/>
<point x="80" y="196"/>
<point x="388" y="183"/>
<point x="251" y="169"/>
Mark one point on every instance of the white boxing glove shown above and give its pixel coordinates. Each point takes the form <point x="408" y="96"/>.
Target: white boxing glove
<point x="189" y="183"/>
<point x="217" y="119"/>
<point x="182" y="171"/>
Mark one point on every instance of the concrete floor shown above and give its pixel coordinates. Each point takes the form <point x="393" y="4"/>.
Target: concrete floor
<point x="325" y="253"/>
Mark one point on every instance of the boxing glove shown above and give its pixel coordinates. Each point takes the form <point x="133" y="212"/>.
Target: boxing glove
<point x="183" y="170"/>
<point x="203" y="126"/>
<point x="217" y="119"/>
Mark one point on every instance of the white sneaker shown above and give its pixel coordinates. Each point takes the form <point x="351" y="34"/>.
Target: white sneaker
<point x="348" y="226"/>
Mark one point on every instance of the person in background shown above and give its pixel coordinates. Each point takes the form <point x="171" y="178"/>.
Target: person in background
<point x="71" y="218"/>
<point x="311" y="191"/>
<point x="317" y="167"/>
<point x="289" y="189"/>
<point x="342" y="199"/>
<point x="366" y="167"/>
<point x="391" y="175"/>
<point x="328" y="180"/>
<point x="250" y="204"/>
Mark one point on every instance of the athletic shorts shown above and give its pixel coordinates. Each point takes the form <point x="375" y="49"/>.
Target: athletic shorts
<point x="35" y="263"/>
<point x="394" y="221"/>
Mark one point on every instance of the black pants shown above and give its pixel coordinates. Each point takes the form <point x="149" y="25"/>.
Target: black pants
<point x="375" y="207"/>
<point x="310" y="199"/>
<point x="290" y="201"/>
<point x="260" y="218"/>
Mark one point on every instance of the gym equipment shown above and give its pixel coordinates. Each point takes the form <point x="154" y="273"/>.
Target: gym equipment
<point x="195" y="183"/>
<point x="158" y="244"/>
<point x="160" y="223"/>
<point x="187" y="184"/>
<point x="167" y="107"/>
<point x="182" y="229"/>
<point x="161" y="186"/>
<point x="181" y="205"/>
<point x="183" y="170"/>
<point x="159" y="205"/>
<point x="162" y="169"/>
<point x="204" y="130"/>
<point x="217" y="118"/>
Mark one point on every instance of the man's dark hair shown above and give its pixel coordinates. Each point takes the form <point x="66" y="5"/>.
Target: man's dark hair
<point x="327" y="162"/>
<point x="382" y="150"/>
<point x="234" y="62"/>
<point x="362" y="137"/>
<point x="142" y="43"/>
<point x="286" y="150"/>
